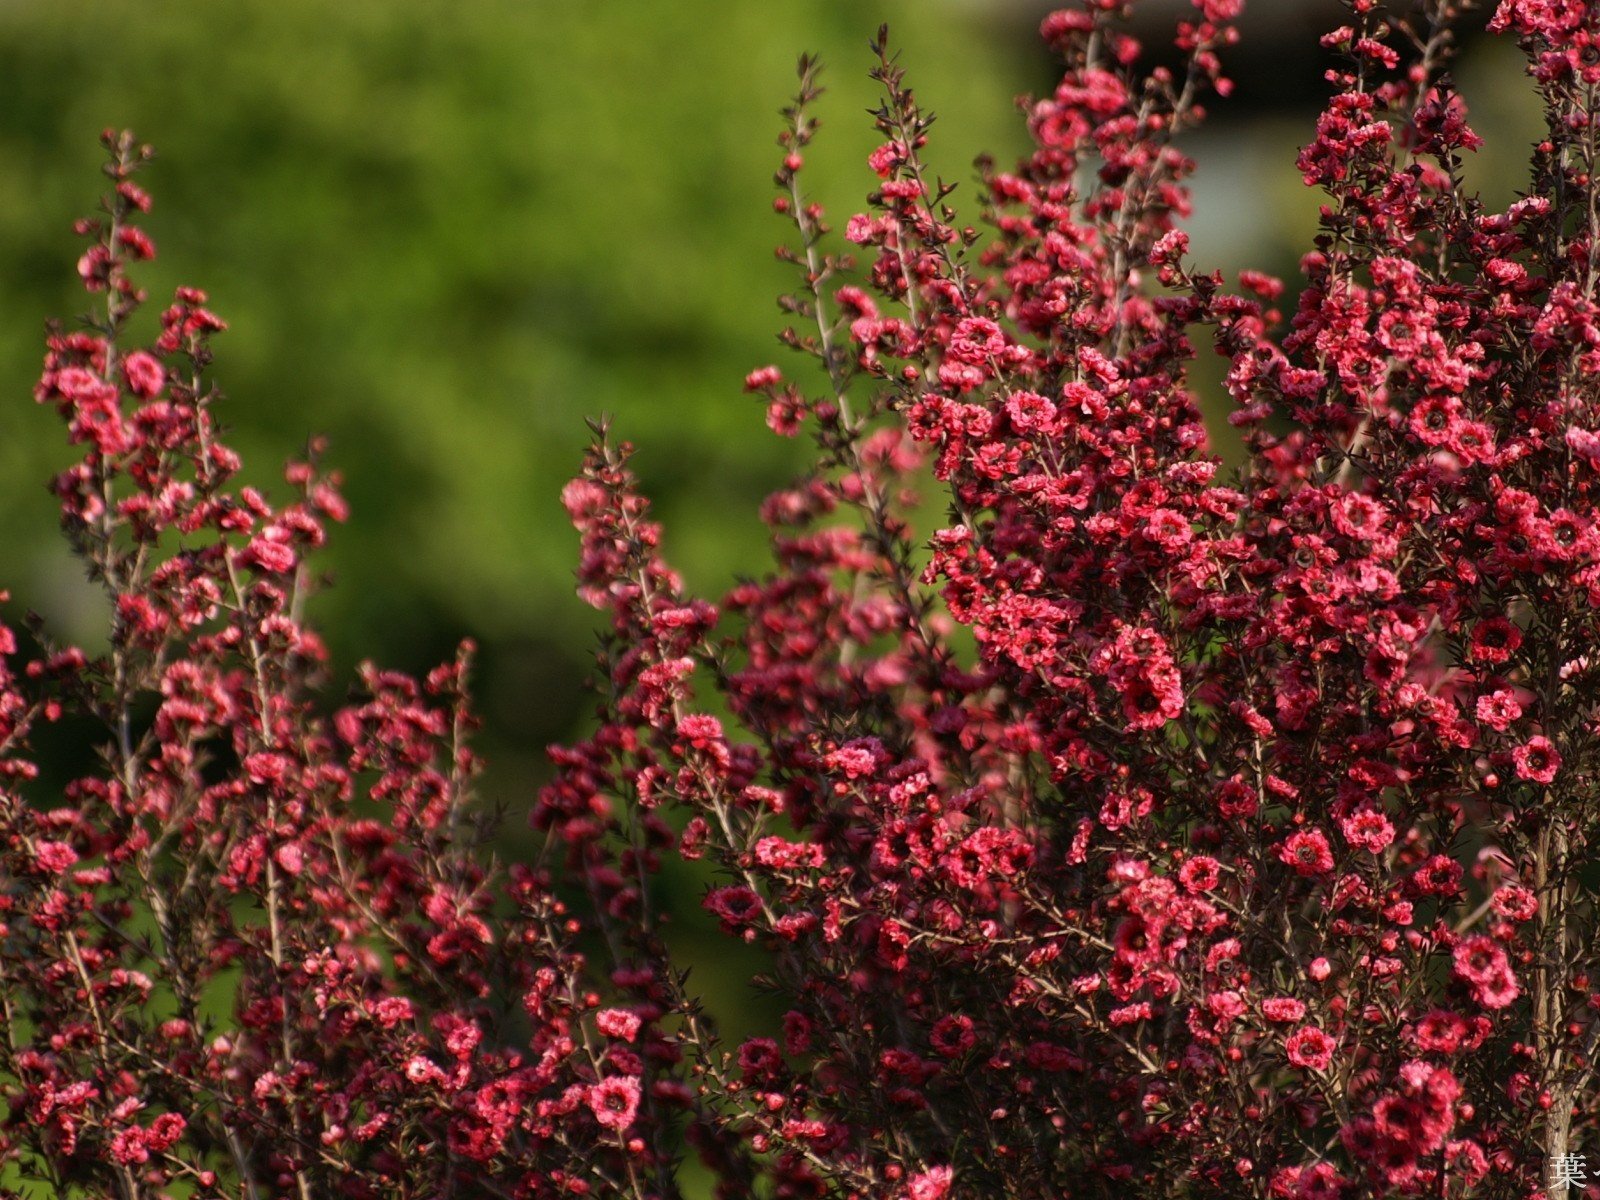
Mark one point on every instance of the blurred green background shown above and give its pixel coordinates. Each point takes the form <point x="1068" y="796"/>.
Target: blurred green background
<point x="444" y="233"/>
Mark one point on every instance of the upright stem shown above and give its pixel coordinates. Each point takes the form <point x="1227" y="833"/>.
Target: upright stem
<point x="1550" y="869"/>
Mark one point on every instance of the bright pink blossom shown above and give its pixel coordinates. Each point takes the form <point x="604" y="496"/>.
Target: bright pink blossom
<point x="615" y="1101"/>
<point x="1307" y="852"/>
<point x="1537" y="760"/>
<point x="1310" y="1048"/>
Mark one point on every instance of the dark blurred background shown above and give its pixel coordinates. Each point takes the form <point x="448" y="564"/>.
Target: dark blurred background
<point x="445" y="232"/>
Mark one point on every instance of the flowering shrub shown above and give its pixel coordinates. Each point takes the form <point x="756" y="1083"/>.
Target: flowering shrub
<point x="1140" y="831"/>
<point x="257" y="948"/>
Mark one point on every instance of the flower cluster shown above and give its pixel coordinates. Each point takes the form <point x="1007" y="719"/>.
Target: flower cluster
<point x="1158" y="830"/>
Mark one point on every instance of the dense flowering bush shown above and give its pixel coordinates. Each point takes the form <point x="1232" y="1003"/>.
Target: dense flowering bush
<point x="257" y="948"/>
<point x="1143" y="831"/>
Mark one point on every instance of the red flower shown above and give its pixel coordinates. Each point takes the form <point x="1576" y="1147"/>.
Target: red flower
<point x="1200" y="873"/>
<point x="1495" y="640"/>
<point x="54" y="858"/>
<point x="1035" y="829"/>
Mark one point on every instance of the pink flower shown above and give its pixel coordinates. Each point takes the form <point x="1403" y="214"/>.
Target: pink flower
<point x="1283" y="1009"/>
<point x="759" y="1059"/>
<point x="1515" y="902"/>
<point x="1030" y="412"/>
<point x="1200" y="873"/>
<point x="393" y="1010"/>
<point x="291" y="857"/>
<point x="54" y="858"/>
<point x="886" y="158"/>
<point x="1537" y="760"/>
<point x="735" y="906"/>
<point x="762" y="378"/>
<point x="1499" y="990"/>
<point x="1498" y="709"/>
<point x="420" y="1068"/>
<point x="1004" y="803"/>
<point x="1477" y="957"/>
<point x="1439" y="1031"/>
<point x="1310" y="1048"/>
<point x="1481" y="963"/>
<point x="1316" y="1182"/>
<point x="1138" y="663"/>
<point x="953" y="1036"/>
<point x="269" y="554"/>
<point x="615" y="1101"/>
<point x="931" y="1184"/>
<point x="700" y="729"/>
<point x="1367" y="828"/>
<point x="618" y="1023"/>
<point x="144" y="373"/>
<point x="1495" y="640"/>
<point x="164" y="1131"/>
<point x="860" y="229"/>
<point x="1307" y="852"/>
<point x="128" y="1147"/>
<point x="1226" y="1005"/>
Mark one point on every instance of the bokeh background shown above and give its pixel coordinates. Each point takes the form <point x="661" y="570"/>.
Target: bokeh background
<point x="445" y="231"/>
